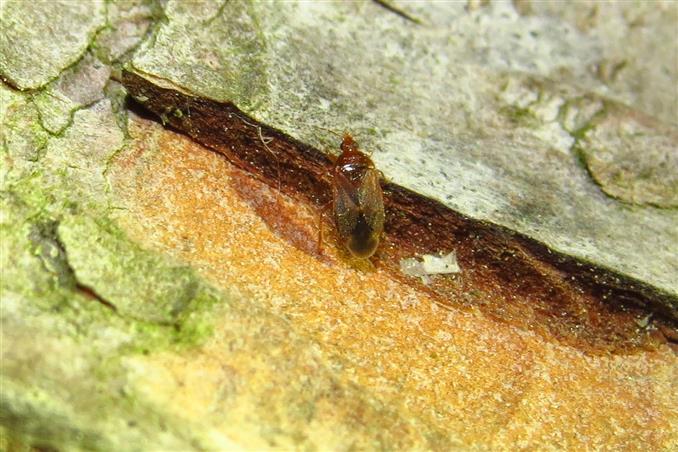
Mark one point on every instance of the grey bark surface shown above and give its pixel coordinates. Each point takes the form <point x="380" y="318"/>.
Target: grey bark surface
<point x="499" y="116"/>
<point x="556" y="122"/>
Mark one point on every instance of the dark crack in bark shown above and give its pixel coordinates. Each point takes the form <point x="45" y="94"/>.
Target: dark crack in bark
<point x="54" y="257"/>
<point x="506" y="275"/>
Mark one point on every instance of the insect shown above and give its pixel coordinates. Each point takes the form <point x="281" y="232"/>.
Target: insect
<point x="357" y="200"/>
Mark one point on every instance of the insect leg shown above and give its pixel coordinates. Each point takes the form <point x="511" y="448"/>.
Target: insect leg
<point x="321" y="212"/>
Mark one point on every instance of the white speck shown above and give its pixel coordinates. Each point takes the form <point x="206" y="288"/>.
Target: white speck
<point x="644" y="322"/>
<point x="324" y="103"/>
<point x="430" y="265"/>
<point x="441" y="264"/>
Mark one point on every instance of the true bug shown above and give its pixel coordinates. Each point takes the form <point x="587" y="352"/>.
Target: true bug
<point x="357" y="200"/>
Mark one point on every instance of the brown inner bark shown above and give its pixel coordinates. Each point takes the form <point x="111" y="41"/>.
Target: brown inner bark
<point x="504" y="274"/>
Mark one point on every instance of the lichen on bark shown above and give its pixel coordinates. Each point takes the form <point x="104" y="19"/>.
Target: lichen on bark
<point x="153" y="293"/>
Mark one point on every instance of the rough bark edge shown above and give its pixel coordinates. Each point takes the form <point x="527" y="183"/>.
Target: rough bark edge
<point x="506" y="274"/>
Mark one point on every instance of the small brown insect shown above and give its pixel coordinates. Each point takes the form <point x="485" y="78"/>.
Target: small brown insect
<point x="358" y="201"/>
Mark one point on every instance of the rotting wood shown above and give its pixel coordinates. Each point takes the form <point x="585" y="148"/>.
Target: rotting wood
<point x="505" y="274"/>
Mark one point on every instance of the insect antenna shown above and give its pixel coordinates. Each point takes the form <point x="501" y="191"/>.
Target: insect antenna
<point x="339" y="135"/>
<point x="265" y="141"/>
<point x="328" y="130"/>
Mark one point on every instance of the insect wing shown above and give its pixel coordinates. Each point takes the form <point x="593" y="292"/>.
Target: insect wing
<point x="371" y="201"/>
<point x="345" y="206"/>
